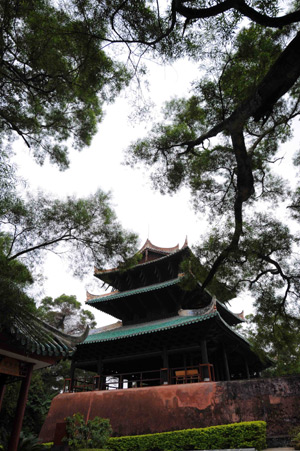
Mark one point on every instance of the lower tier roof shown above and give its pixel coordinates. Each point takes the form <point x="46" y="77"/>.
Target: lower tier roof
<point x="146" y="328"/>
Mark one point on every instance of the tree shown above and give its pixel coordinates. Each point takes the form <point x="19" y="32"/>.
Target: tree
<point x="65" y="313"/>
<point x="223" y="140"/>
<point x="276" y="337"/>
<point x="15" y="278"/>
<point x="85" y="230"/>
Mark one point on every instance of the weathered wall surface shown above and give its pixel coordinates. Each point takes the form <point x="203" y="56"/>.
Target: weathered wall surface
<point x="157" y="409"/>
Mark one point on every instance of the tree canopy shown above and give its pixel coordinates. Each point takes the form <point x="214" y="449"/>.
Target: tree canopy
<point x="83" y="231"/>
<point x="65" y="313"/>
<point x="54" y="76"/>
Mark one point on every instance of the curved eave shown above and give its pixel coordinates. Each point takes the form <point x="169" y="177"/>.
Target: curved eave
<point x="106" y="303"/>
<point x="35" y="336"/>
<point x="231" y="318"/>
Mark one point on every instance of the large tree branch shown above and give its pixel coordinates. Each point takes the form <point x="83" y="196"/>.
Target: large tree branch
<point x="241" y="7"/>
<point x="43" y="245"/>
<point x="245" y="188"/>
<point x="280" y="78"/>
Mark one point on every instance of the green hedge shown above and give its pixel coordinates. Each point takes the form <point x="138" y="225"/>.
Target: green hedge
<point x="238" y="435"/>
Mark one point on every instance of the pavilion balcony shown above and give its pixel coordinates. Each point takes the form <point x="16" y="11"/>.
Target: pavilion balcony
<point x="150" y="378"/>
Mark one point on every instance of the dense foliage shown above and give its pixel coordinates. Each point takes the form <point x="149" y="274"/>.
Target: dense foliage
<point x="55" y="76"/>
<point x="229" y="436"/>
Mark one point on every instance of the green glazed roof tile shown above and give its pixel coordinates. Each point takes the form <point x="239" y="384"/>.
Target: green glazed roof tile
<point x="34" y="335"/>
<point x="122" y="294"/>
<point x="146" y="328"/>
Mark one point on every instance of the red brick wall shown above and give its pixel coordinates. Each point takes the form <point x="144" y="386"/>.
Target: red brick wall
<point x="157" y="409"/>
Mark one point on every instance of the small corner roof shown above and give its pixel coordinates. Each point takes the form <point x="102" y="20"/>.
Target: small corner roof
<point x="33" y="336"/>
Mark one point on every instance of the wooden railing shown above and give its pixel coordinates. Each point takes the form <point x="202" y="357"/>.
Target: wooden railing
<point x="133" y="380"/>
<point x="164" y="376"/>
<point x="203" y="373"/>
<point x="79" y="385"/>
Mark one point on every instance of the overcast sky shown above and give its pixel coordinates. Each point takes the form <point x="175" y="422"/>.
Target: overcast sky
<point x="165" y="220"/>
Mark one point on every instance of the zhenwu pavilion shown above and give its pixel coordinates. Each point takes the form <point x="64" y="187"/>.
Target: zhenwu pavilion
<point x="172" y="360"/>
<point x="160" y="338"/>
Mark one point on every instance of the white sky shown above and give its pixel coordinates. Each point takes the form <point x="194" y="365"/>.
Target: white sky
<point x="165" y="220"/>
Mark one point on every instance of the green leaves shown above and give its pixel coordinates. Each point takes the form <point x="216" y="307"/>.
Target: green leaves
<point x="85" y="227"/>
<point x="15" y="278"/>
<point x="55" y="76"/>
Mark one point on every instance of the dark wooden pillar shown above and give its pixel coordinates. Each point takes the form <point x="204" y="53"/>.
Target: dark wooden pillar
<point x="247" y="368"/>
<point x="216" y="368"/>
<point x="2" y="388"/>
<point x="100" y="373"/>
<point x="72" y="374"/>
<point x="15" y="435"/>
<point x="204" y="359"/>
<point x="165" y="357"/>
<point x="120" y="382"/>
<point x="164" y="372"/>
<point x="225" y="363"/>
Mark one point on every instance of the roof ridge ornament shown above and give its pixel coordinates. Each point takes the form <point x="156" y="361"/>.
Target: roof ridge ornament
<point x="185" y="244"/>
<point x="153" y="247"/>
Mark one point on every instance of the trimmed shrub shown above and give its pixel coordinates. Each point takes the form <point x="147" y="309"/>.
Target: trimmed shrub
<point x="238" y="435"/>
<point x="81" y="435"/>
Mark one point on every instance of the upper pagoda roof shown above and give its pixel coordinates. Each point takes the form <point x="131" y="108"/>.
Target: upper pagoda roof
<point x="167" y="259"/>
<point x="157" y="252"/>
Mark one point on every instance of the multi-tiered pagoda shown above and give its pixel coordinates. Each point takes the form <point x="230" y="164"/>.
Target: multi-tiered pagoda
<point x="160" y="338"/>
